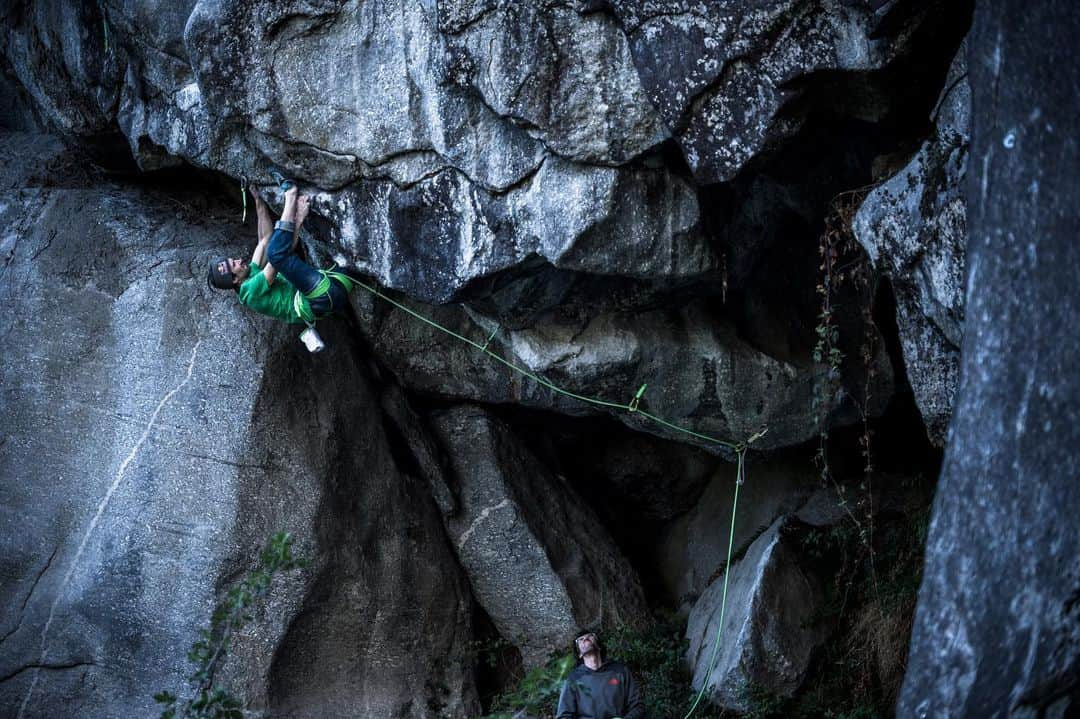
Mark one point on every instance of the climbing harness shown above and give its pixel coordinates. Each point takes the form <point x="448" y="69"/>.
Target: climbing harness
<point x="302" y="300"/>
<point x="302" y="306"/>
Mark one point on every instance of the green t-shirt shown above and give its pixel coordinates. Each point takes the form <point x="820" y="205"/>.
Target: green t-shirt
<point x="274" y="300"/>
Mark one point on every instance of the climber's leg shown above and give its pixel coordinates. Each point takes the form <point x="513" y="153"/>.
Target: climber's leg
<point x="281" y="252"/>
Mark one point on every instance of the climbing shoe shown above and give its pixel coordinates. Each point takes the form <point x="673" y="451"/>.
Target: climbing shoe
<point x="283" y="182"/>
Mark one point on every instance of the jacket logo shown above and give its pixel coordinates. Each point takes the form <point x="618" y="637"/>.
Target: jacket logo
<point x="614" y="681"/>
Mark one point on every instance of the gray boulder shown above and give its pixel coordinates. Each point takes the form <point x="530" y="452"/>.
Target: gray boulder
<point x="692" y="552"/>
<point x="997" y="625"/>
<point x="914" y="229"/>
<point x="395" y="108"/>
<point x="154" y="435"/>
<point x="768" y="638"/>
<point x="539" y="561"/>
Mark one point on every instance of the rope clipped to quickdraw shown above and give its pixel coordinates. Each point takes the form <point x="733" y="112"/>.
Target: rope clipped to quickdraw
<point x="740" y="477"/>
<point x="491" y="337"/>
<point x="243" y="197"/>
<point x="723" y="596"/>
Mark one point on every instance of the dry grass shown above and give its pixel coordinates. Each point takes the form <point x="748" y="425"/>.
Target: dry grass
<point x="878" y="641"/>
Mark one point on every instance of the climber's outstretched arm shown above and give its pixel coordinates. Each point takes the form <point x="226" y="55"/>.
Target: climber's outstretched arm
<point x="266" y="228"/>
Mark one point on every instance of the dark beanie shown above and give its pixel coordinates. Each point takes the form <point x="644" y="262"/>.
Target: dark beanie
<point x="582" y="632"/>
<point x="217" y="279"/>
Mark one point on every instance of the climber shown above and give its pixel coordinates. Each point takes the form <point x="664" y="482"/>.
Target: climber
<point x="598" y="689"/>
<point x="302" y="294"/>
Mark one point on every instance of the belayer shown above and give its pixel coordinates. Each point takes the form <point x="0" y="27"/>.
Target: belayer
<point x="283" y="286"/>
<point x="598" y="688"/>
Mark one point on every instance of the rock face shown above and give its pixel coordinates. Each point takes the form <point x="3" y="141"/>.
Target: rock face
<point x="728" y="78"/>
<point x="454" y="140"/>
<point x="694" y="548"/>
<point x="56" y="52"/>
<point x="457" y="142"/>
<point x="538" y="560"/>
<point x="153" y="438"/>
<point x="997" y="630"/>
<point x="607" y="193"/>
<point x="914" y="229"/>
<point x="767" y="636"/>
<point x="703" y="376"/>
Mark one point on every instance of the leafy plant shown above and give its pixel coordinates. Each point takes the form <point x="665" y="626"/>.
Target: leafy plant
<point x="763" y="703"/>
<point x="206" y="700"/>
<point x="845" y="265"/>
<point x="537" y="693"/>
<point x="655" y="655"/>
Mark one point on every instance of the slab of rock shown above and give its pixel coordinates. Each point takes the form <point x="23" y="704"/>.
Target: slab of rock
<point x="914" y="229"/>
<point x="768" y="638"/>
<point x="154" y="435"/>
<point x="539" y="561"/>
<point x="693" y="549"/>
<point x="997" y="625"/>
<point x="435" y="237"/>
<point x="55" y="50"/>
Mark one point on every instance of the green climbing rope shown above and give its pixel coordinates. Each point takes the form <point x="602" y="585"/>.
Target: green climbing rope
<point x="631" y="406"/>
<point x="739" y="476"/>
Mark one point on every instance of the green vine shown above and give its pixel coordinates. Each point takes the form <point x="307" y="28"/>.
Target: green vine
<point x="205" y="699"/>
<point x="844" y="264"/>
